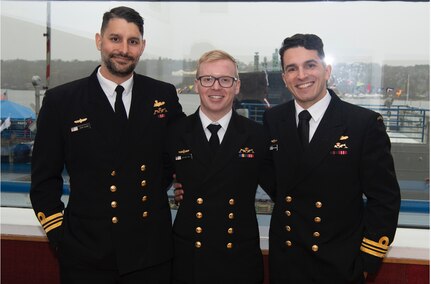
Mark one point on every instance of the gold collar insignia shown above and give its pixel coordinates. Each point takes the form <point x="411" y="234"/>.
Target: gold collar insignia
<point x="81" y="120"/>
<point x="246" y="150"/>
<point x="158" y="104"/>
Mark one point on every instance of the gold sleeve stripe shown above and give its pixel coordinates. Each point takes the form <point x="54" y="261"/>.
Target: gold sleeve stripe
<point x="43" y="220"/>
<point x="373" y="248"/>
<point x="46" y="225"/>
<point x="381" y="255"/>
<point x="382" y="244"/>
<point x="53" y="226"/>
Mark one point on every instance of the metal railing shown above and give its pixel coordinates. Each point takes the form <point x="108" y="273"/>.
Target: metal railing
<point x="253" y="111"/>
<point x="404" y="123"/>
<point x="20" y="134"/>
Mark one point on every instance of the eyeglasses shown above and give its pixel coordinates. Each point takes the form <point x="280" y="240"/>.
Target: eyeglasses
<point x="224" y="81"/>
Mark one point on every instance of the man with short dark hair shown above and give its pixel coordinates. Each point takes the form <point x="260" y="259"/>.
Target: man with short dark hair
<point x="107" y="130"/>
<point x="328" y="154"/>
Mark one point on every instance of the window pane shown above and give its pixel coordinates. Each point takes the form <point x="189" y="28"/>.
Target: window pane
<point x="379" y="52"/>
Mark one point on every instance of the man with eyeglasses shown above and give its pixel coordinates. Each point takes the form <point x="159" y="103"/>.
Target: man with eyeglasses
<point x="219" y="158"/>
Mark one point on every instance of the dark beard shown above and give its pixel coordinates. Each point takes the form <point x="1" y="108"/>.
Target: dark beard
<point x="120" y="73"/>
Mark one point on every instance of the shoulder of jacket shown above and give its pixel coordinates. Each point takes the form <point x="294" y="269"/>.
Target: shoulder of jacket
<point x="278" y="109"/>
<point x="65" y="92"/>
<point x="180" y="124"/>
<point x="249" y="122"/>
<point x="69" y="87"/>
<point x="149" y="80"/>
<point x="356" y="110"/>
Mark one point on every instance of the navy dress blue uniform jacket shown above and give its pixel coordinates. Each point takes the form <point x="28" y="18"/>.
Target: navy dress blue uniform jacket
<point x="117" y="216"/>
<point x="321" y="231"/>
<point x="216" y="232"/>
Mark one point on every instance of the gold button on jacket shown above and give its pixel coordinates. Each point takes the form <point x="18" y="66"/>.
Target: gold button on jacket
<point x="104" y="164"/>
<point x="218" y="205"/>
<point x="113" y="188"/>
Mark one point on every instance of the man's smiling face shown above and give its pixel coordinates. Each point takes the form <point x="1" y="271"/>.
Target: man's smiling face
<point x="305" y="75"/>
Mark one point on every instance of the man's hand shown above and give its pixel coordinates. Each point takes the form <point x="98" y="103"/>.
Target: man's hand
<point x="178" y="191"/>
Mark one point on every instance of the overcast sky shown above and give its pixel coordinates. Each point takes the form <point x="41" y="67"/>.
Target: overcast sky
<point x="381" y="32"/>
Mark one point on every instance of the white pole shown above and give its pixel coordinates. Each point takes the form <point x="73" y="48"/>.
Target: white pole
<point x="48" y="44"/>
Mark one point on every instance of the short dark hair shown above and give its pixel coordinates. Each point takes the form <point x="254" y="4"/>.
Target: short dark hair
<point x="307" y="41"/>
<point x="126" y="13"/>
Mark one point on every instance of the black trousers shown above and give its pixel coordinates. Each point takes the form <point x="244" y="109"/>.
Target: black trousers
<point x="80" y="274"/>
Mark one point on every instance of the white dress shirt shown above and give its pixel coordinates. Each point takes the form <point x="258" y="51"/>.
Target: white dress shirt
<point x="224" y="122"/>
<point x="317" y="111"/>
<point x="108" y="88"/>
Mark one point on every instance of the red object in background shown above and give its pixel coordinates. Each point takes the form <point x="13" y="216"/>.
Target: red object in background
<point x="32" y="261"/>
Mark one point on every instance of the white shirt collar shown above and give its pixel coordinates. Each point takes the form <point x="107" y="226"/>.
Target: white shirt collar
<point x="109" y="87"/>
<point x="317" y="110"/>
<point x="224" y="121"/>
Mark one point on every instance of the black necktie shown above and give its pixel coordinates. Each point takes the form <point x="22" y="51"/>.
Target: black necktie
<point x="214" y="140"/>
<point x="120" y="110"/>
<point x="304" y="128"/>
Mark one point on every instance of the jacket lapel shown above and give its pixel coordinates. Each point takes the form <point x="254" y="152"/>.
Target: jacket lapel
<point x="196" y="140"/>
<point x="327" y="134"/>
<point x="100" y="112"/>
<point x="105" y="122"/>
<point x="141" y="106"/>
<point x="289" y="133"/>
<point x="288" y="156"/>
<point x="233" y="140"/>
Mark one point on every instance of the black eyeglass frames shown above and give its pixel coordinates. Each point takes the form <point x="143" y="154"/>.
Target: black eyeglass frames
<point x="224" y="81"/>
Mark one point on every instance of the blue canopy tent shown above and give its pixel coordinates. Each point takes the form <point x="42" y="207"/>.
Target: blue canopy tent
<point x="15" y="111"/>
<point x="21" y="117"/>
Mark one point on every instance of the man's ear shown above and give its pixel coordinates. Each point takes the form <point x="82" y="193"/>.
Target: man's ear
<point x="196" y="86"/>
<point x="237" y="87"/>
<point x="328" y="70"/>
<point x="144" y="43"/>
<point x="98" y="40"/>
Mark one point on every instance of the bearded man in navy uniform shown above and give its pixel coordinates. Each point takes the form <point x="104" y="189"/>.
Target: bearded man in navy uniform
<point x="107" y="130"/>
